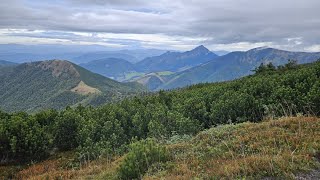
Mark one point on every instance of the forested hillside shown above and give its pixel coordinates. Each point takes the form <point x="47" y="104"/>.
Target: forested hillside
<point x="106" y="131"/>
<point x="56" y="84"/>
<point x="235" y="65"/>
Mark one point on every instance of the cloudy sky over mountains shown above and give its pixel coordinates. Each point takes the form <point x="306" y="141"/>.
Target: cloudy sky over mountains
<point x="164" y="24"/>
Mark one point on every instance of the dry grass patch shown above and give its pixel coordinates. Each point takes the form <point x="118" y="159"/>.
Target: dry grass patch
<point x="84" y="89"/>
<point x="60" y="167"/>
<point x="277" y="148"/>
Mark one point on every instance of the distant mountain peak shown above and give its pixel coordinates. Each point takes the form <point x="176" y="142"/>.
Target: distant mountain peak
<point x="58" y="67"/>
<point x="200" y="48"/>
<point x="176" y="61"/>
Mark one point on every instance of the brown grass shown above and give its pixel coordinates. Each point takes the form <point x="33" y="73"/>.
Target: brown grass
<point x="278" y="148"/>
<point x="84" y="89"/>
<point x="58" y="168"/>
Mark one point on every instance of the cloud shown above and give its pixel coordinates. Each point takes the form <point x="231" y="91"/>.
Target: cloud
<point x="180" y="24"/>
<point x="107" y="39"/>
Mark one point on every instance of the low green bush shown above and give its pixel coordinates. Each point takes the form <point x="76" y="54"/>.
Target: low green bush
<point x="141" y="156"/>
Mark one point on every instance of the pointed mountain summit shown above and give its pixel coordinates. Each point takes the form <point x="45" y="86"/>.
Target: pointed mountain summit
<point x="200" y="49"/>
<point x="176" y="61"/>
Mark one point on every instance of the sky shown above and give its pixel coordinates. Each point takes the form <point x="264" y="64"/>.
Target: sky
<point x="229" y="25"/>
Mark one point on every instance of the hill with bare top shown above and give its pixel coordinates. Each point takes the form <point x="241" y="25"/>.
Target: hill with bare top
<point x="56" y="84"/>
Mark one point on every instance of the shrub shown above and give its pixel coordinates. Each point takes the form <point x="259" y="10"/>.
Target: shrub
<point x="141" y="156"/>
<point x="22" y="139"/>
<point x="100" y="138"/>
<point x="66" y="129"/>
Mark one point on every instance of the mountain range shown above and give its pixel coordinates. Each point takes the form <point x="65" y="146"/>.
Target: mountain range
<point x="179" y="69"/>
<point x="75" y="53"/>
<point x="235" y="65"/>
<point x="176" y="61"/>
<point x="170" y="62"/>
<point x="56" y="84"/>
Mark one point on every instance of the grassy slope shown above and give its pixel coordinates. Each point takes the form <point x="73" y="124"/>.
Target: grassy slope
<point x="280" y="148"/>
<point x="130" y="75"/>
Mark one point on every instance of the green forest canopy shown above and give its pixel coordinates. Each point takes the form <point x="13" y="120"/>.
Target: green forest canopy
<point x="108" y="129"/>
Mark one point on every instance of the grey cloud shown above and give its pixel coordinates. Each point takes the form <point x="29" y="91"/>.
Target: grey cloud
<point x="217" y="21"/>
<point x="115" y="3"/>
<point x="52" y="17"/>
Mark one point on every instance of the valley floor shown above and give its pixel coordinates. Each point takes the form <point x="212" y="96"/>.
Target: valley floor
<point x="287" y="148"/>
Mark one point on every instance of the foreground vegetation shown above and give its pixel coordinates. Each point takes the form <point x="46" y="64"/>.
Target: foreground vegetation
<point x="105" y="132"/>
<point x="284" y="148"/>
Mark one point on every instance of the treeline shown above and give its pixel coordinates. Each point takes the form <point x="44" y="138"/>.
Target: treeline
<point x="269" y="67"/>
<point x="107" y="130"/>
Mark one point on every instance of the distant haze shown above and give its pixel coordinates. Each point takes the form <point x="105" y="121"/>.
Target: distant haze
<point x="76" y="53"/>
